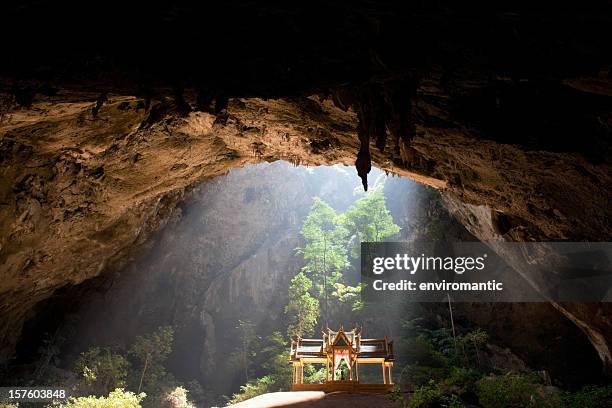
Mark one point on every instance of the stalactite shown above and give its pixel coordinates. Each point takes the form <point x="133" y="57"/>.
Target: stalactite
<point x="99" y="103"/>
<point x="156" y="112"/>
<point x="399" y="116"/>
<point x="343" y="98"/>
<point x="370" y="111"/>
<point x="221" y="102"/>
<point x="204" y="101"/>
<point x="182" y="107"/>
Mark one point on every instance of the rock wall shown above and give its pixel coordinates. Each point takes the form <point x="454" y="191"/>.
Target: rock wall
<point x="539" y="333"/>
<point x="481" y="221"/>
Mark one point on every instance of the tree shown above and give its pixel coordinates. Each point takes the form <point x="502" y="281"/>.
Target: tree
<point x="348" y="298"/>
<point x="477" y="338"/>
<point x="369" y="220"/>
<point x="275" y="354"/>
<point x="152" y="350"/>
<point x="103" y="369"/>
<point x="247" y="338"/>
<point x="302" y="308"/>
<point x="325" y="250"/>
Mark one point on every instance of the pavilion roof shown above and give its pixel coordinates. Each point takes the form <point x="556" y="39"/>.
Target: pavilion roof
<point x="364" y="348"/>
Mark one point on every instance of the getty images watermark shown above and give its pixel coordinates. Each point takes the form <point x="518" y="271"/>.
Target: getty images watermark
<point x="493" y="272"/>
<point x="414" y="264"/>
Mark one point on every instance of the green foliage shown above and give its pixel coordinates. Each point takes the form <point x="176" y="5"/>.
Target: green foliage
<point x="420" y="350"/>
<point x="441" y="339"/>
<point x="418" y="375"/>
<point x="369" y="220"/>
<point x="314" y="376"/>
<point x="248" y="337"/>
<point x="432" y="396"/>
<point x="325" y="250"/>
<point x="118" y="398"/>
<point x="512" y="390"/>
<point x="442" y="373"/>
<point x="102" y="369"/>
<point x="302" y="309"/>
<point x="177" y="398"/>
<point x="254" y="388"/>
<point x="477" y="337"/>
<point x="275" y="354"/>
<point x="155" y="346"/>
<point x="434" y="230"/>
<point x="471" y="344"/>
<point x="588" y="397"/>
<point x="349" y="296"/>
<point x="328" y="240"/>
<point x="151" y="351"/>
<point x="431" y="366"/>
<point x="462" y="380"/>
<point x="199" y="395"/>
<point x="396" y="395"/>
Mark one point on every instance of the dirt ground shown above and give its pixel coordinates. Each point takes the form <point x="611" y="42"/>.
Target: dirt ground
<point x="317" y="399"/>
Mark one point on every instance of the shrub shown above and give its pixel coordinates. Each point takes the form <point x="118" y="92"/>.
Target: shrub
<point x="432" y="396"/>
<point x="420" y="351"/>
<point x="116" y="399"/>
<point x="512" y="390"/>
<point x="396" y="395"/>
<point x="463" y="379"/>
<point x="102" y="369"/>
<point x="588" y="397"/>
<point x="177" y="398"/>
<point x="254" y="388"/>
<point x="417" y="375"/>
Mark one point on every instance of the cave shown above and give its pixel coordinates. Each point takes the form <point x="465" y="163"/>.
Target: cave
<point x="123" y="128"/>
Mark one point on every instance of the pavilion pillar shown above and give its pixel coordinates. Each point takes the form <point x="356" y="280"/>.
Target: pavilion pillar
<point x="333" y="368"/>
<point x="384" y="372"/>
<point x="390" y="374"/>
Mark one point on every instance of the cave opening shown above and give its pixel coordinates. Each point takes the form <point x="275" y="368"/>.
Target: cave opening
<point x="220" y="273"/>
<point x="227" y="256"/>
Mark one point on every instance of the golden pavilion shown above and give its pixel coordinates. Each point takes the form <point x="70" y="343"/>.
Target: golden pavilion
<point x="342" y="352"/>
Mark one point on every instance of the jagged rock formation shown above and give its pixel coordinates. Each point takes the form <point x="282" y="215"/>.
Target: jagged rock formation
<point x="592" y="318"/>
